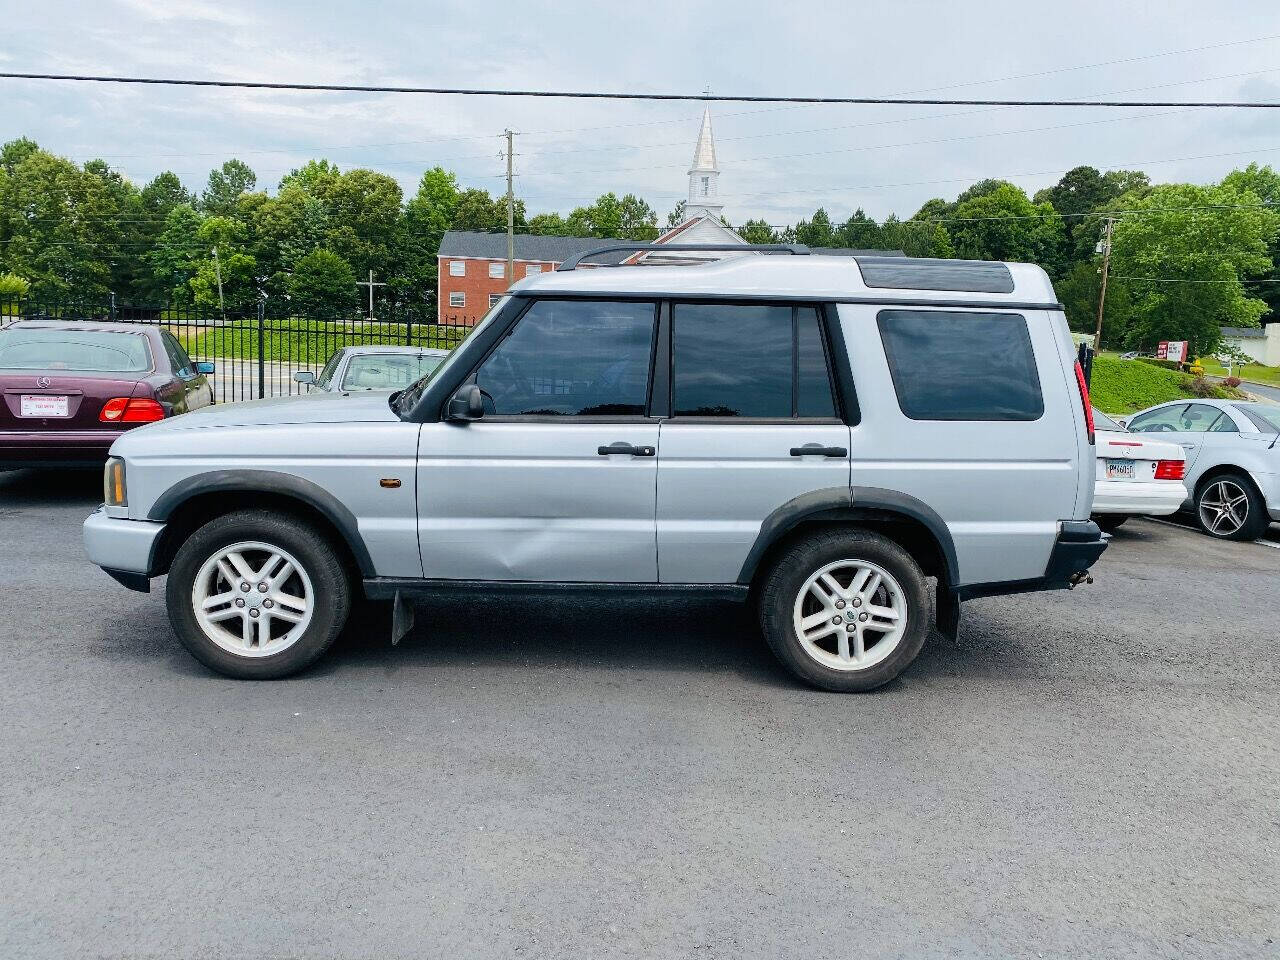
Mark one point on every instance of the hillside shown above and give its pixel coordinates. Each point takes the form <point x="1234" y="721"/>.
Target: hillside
<point x="1125" y="386"/>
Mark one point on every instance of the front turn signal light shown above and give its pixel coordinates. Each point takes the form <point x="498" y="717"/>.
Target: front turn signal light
<point x="113" y="484"/>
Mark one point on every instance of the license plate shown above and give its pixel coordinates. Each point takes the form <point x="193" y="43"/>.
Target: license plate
<point x="43" y="405"/>
<point x="1120" y="470"/>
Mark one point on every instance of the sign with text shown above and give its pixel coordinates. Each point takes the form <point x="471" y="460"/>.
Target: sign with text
<point x="1175" y="350"/>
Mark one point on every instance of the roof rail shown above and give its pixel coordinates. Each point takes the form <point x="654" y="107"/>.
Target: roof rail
<point x="795" y="249"/>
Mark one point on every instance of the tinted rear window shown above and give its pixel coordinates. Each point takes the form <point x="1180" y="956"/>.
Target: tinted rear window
<point x="962" y="366"/>
<point x="739" y="360"/>
<point x="78" y="351"/>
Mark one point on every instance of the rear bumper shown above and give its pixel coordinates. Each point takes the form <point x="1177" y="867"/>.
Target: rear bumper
<point x="1080" y="543"/>
<point x="52" y="448"/>
<point x="1153" y="498"/>
<point x="125" y="549"/>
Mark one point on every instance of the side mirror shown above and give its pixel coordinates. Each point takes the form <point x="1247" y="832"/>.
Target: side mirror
<point x="466" y="404"/>
<point x="205" y="367"/>
<point x="304" y="376"/>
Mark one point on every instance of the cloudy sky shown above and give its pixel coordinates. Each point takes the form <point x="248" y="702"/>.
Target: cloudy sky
<point x="778" y="163"/>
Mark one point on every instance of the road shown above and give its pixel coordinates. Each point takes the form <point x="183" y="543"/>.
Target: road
<point x="1085" y="774"/>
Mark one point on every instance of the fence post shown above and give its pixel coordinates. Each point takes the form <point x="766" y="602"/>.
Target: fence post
<point x="262" y="352"/>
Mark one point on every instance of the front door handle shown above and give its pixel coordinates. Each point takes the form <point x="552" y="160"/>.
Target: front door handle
<point x="815" y="450"/>
<point x="626" y="449"/>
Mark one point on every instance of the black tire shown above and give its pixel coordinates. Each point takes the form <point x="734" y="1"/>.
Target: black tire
<point x="1111" y="522"/>
<point x="788" y="575"/>
<point x="331" y="588"/>
<point x="1256" y="519"/>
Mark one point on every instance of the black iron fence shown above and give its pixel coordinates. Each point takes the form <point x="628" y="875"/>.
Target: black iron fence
<point x="255" y="353"/>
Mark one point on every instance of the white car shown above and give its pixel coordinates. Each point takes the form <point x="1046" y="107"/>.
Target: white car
<point x="1233" y="461"/>
<point x="1136" y="476"/>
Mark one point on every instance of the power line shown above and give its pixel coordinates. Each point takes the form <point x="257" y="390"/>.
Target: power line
<point x="619" y="95"/>
<point x="1177" y="280"/>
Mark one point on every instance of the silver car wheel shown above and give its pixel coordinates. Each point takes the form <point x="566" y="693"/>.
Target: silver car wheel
<point x="253" y="599"/>
<point x="850" y="615"/>
<point x="1224" y="507"/>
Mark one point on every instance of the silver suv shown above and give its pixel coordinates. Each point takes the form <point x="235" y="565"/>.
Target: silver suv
<point x="854" y="445"/>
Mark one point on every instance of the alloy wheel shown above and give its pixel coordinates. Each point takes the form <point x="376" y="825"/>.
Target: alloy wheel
<point x="253" y="599"/>
<point x="1224" y="507"/>
<point x="850" y="615"/>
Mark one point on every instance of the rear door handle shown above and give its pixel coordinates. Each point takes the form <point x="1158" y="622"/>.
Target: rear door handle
<point x="626" y="449"/>
<point x="814" y="450"/>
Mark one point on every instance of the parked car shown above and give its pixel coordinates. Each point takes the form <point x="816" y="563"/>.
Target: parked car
<point x="1233" y="462"/>
<point x="817" y="435"/>
<point x="1137" y="476"/>
<point x="72" y="388"/>
<point x="374" y="368"/>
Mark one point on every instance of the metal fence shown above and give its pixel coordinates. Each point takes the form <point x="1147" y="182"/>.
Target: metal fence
<point x="256" y="353"/>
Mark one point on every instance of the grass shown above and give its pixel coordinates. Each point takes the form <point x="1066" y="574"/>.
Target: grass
<point x="1124" y="386"/>
<point x="1253" y="371"/>
<point x="306" y="342"/>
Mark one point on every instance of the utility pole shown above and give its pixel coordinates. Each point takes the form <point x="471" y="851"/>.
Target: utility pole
<point x="1102" y="292"/>
<point x="217" y="269"/>
<point x="511" y="216"/>
<point x="370" y="284"/>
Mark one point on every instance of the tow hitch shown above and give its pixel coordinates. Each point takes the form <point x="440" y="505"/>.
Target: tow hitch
<point x="1079" y="577"/>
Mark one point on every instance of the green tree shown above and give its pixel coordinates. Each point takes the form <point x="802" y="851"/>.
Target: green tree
<point x="427" y="215"/>
<point x="757" y="231"/>
<point x="628" y="218"/>
<point x="1079" y="290"/>
<point x="548" y="225"/>
<point x="171" y="262"/>
<point x="817" y="232"/>
<point x="861" y="232"/>
<point x="1264" y="183"/>
<point x="916" y="238"/>
<point x="13" y="287"/>
<point x="678" y="214"/>
<point x="1003" y="224"/>
<point x="226" y="183"/>
<point x="316" y="177"/>
<point x="1177" y="233"/>
<point x="322" y="284"/>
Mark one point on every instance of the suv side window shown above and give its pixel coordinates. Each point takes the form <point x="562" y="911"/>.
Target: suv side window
<point x="951" y="365"/>
<point x="572" y="358"/>
<point x="745" y="360"/>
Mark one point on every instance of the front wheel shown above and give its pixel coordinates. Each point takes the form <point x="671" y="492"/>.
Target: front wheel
<point x="257" y="595"/>
<point x="1229" y="507"/>
<point x="846" y="610"/>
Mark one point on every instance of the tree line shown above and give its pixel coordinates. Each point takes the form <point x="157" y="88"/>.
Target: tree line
<point x="1186" y="258"/>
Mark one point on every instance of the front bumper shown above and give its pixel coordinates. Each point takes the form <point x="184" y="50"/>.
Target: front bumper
<point x="1152" y="498"/>
<point x="125" y="549"/>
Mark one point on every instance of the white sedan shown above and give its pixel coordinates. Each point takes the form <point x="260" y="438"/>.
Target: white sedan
<point x="1136" y="476"/>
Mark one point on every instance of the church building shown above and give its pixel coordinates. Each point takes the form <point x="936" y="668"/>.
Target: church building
<point x="472" y="266"/>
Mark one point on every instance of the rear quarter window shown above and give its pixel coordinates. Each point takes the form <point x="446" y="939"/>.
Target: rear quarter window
<point x="953" y="365"/>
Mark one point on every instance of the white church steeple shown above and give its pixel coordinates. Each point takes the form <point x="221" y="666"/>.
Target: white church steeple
<point x="704" y="199"/>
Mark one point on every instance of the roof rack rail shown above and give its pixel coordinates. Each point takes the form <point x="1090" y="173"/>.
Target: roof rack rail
<point x="795" y="249"/>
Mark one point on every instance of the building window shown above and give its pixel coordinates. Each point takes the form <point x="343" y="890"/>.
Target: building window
<point x="457" y="268"/>
<point x="706" y="185"/>
<point x="532" y="268"/>
<point x="457" y="299"/>
<point x="493" y="299"/>
<point x="497" y="270"/>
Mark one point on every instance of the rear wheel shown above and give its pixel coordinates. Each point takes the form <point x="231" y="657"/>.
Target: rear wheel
<point x="846" y="610"/>
<point x="257" y="595"/>
<point x="1111" y="522"/>
<point x="1229" y="507"/>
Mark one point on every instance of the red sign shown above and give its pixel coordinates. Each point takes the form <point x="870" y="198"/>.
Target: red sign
<point x="1162" y="351"/>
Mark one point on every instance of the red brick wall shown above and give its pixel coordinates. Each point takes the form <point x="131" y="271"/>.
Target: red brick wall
<point x="476" y="285"/>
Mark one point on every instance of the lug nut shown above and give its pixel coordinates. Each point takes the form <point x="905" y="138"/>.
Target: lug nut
<point x="864" y="616"/>
<point x="839" y="604"/>
<point x="239" y="601"/>
<point x="253" y="613"/>
<point x="835" y="621"/>
<point x="262" y="587"/>
<point x="857" y="602"/>
<point x="244" y="587"/>
<point x="851" y="629"/>
<point x="268" y="604"/>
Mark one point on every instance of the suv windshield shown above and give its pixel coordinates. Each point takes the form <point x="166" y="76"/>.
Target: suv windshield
<point x="388" y="371"/>
<point x="403" y="402"/>
<point x="81" y="351"/>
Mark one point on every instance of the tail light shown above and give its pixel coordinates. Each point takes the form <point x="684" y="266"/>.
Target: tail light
<point x="1084" y="398"/>
<point x="1171" y="469"/>
<point x="131" y="410"/>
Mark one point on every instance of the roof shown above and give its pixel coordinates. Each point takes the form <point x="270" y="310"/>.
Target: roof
<point x="882" y="279"/>
<point x="852" y="252"/>
<point x="704" y="153"/>
<point x="1245" y="333"/>
<point x="493" y="246"/>
<point x="97" y="326"/>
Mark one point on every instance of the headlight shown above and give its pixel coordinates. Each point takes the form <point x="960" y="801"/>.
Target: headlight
<point x="113" y="488"/>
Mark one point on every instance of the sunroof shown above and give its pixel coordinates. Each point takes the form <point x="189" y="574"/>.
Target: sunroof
<point x="909" y="273"/>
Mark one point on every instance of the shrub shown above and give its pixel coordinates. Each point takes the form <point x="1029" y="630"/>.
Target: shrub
<point x="1231" y="382"/>
<point x="1202" y="388"/>
<point x="1167" y="364"/>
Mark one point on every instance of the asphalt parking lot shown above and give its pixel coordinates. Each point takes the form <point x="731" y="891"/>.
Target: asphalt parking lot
<point x="1084" y="774"/>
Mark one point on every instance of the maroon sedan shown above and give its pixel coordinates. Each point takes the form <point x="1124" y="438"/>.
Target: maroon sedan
<point x="71" y="387"/>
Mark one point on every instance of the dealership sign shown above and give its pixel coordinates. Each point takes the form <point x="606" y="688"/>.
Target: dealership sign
<point x="1175" y="350"/>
